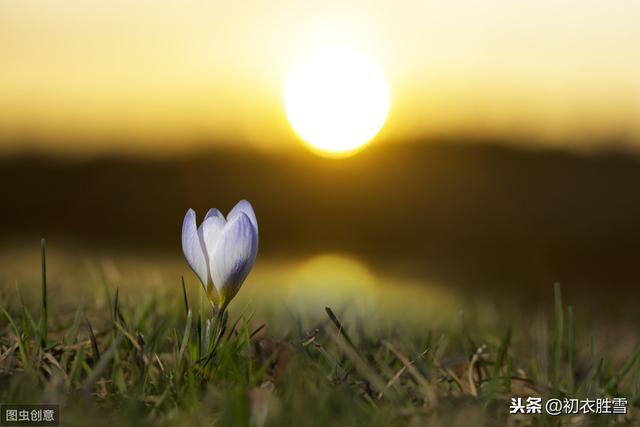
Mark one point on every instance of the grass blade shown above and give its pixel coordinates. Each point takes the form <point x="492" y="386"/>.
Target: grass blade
<point x="25" y="310"/>
<point x="558" y="335"/>
<point x="102" y="365"/>
<point x="258" y="329"/>
<point x="21" y="347"/>
<point x="199" y="332"/>
<point x="94" y="342"/>
<point x="500" y="358"/>
<point x="613" y="383"/>
<point x="184" y="294"/>
<point x="338" y="324"/>
<point x="44" y="317"/>
<point x="571" y="346"/>
<point x="185" y="340"/>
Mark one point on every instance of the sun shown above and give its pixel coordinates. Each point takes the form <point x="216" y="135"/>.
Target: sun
<point x="336" y="101"/>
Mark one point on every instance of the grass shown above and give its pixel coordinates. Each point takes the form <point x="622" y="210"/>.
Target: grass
<point x="158" y="363"/>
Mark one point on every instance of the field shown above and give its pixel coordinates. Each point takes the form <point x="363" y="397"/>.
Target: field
<point x="131" y="346"/>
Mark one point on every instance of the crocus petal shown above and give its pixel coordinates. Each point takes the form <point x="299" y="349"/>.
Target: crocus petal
<point x="211" y="228"/>
<point x="234" y="255"/>
<point x="244" y="207"/>
<point x="192" y="248"/>
<point x="209" y="231"/>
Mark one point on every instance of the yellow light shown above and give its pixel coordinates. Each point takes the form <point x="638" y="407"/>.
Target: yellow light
<point x="336" y="101"/>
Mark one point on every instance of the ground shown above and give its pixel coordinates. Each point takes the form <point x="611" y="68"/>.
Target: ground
<point x="113" y="353"/>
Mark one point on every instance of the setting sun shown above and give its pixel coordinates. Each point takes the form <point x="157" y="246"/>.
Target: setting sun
<point x="336" y="101"/>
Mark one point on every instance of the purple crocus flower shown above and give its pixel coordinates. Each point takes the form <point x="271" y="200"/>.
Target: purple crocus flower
<point x="221" y="251"/>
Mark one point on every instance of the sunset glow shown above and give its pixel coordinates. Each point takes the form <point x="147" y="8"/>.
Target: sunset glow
<point x="169" y="75"/>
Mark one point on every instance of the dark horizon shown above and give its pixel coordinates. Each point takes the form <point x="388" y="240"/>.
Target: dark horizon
<point x="459" y="213"/>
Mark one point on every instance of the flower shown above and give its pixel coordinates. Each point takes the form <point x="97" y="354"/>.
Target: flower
<point x="221" y="251"/>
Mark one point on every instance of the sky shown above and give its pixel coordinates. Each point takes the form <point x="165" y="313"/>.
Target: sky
<point x="89" y="75"/>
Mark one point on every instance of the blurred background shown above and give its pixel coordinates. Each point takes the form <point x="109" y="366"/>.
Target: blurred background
<point x="508" y="160"/>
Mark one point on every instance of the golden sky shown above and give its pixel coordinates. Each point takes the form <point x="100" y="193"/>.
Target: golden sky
<point x="161" y="73"/>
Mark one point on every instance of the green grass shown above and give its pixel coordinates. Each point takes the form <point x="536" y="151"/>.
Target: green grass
<point x="157" y="363"/>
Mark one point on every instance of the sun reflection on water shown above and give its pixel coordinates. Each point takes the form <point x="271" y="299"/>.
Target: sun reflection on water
<point x="302" y="286"/>
<point x="332" y="280"/>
